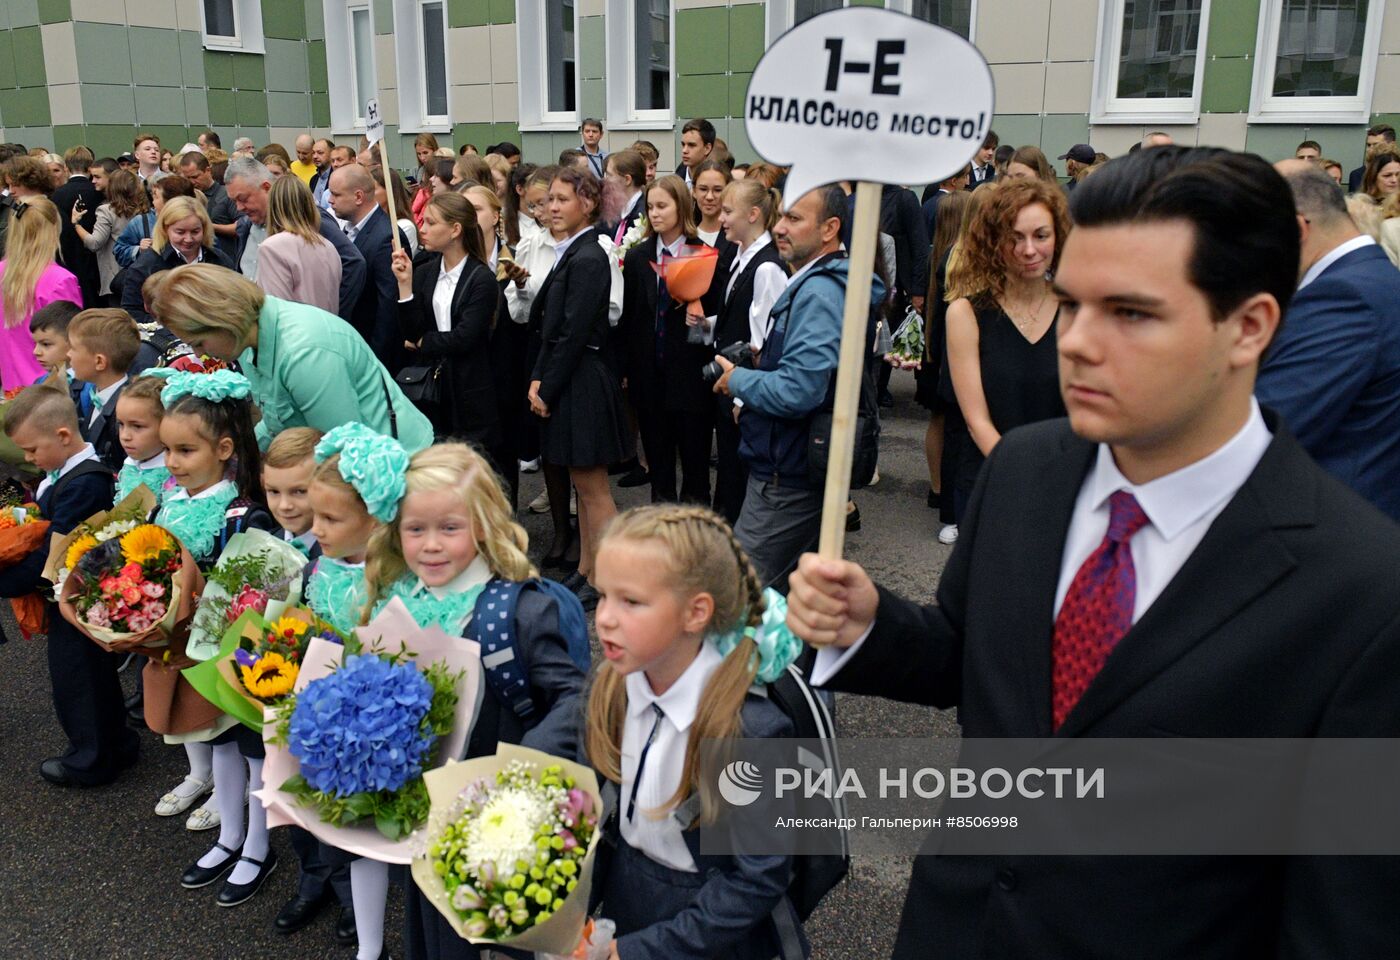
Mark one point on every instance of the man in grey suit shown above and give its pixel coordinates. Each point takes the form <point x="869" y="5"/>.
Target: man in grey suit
<point x="1169" y="561"/>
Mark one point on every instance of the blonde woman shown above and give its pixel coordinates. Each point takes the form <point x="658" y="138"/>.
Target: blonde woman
<point x="295" y="262"/>
<point x="183" y="234"/>
<point x="1387" y="223"/>
<point x="29" y="281"/>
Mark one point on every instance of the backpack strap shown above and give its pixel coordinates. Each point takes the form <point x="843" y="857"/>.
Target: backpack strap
<point x="86" y="468"/>
<point x="234" y="516"/>
<point x="493" y="627"/>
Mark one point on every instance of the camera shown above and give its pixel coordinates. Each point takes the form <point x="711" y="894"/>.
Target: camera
<point x="740" y="354"/>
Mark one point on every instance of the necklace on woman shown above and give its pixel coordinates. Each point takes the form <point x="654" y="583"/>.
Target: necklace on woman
<point x="1034" y="316"/>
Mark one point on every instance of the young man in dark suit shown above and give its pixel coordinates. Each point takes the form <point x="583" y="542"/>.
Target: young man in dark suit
<point x="79" y="192"/>
<point x="1168" y="560"/>
<point x="87" y="693"/>
<point x="1333" y="371"/>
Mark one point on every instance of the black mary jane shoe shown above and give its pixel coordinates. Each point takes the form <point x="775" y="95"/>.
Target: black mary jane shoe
<point x="197" y="876"/>
<point x="298" y="912"/>
<point x="235" y="893"/>
<point x="345" y="933"/>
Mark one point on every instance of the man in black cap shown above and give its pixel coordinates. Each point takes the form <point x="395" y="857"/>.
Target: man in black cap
<point x="127" y="161"/>
<point x="1080" y="155"/>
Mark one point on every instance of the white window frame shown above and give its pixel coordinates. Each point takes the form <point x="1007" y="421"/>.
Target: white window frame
<point x="347" y="117"/>
<point x="780" y="15"/>
<point x="247" y="29"/>
<point x="619" y="34"/>
<point x="534" y="83"/>
<point x="1264" y="107"/>
<point x="1107" y="107"/>
<point x="411" y="70"/>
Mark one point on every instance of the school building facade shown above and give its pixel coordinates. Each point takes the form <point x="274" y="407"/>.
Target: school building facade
<point x="1260" y="75"/>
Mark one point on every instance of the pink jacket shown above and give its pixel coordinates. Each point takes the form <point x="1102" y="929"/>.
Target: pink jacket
<point x="18" y="368"/>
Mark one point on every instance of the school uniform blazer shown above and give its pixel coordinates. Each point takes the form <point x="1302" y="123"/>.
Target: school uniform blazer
<point x="556" y="688"/>
<point x="102" y="433"/>
<point x="1284" y="622"/>
<point x="676" y="384"/>
<point x="465" y="347"/>
<point x="732" y="913"/>
<point x="571" y="313"/>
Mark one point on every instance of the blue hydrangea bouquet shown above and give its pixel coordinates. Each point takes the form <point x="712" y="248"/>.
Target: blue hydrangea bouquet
<point x="346" y="752"/>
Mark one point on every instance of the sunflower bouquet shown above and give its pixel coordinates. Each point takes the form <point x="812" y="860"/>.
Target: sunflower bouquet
<point x="348" y="747"/>
<point x="510" y="846"/>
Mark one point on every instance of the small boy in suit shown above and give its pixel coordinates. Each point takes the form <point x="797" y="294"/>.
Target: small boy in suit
<point x="87" y="693"/>
<point x="287" y="468"/>
<point x="102" y="344"/>
<point x="49" y="328"/>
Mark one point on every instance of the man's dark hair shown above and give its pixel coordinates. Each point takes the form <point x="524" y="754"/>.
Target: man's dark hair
<point x="1316" y="196"/>
<point x="1383" y="130"/>
<point x="211" y="139"/>
<point x="591" y="122"/>
<point x="195" y="159"/>
<point x="1309" y="144"/>
<point x="569" y="157"/>
<point x="78" y="159"/>
<point x="505" y="149"/>
<point x="1238" y="205"/>
<point x="834" y="205"/>
<point x="54" y="317"/>
<point x="109" y="166"/>
<point x="991" y="140"/>
<point x="1003" y="155"/>
<point x="8" y="150"/>
<point x="705" y="128"/>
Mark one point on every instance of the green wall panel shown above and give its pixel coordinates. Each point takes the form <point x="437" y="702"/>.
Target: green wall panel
<point x="316" y="66"/>
<point x="155" y="53"/>
<point x="1275" y="141"/>
<point x="29" y="57"/>
<point x="502" y="11"/>
<point x="702" y="96"/>
<point x="315" y="20"/>
<point x="283" y="19"/>
<point x="8" y="77"/>
<point x="383" y="11"/>
<point x="191" y="58"/>
<point x="66" y="135"/>
<point x="104" y="54"/>
<point x="23" y="13"/>
<point x="223" y="108"/>
<point x="249" y="71"/>
<point x="109" y="102"/>
<point x="285" y="66"/>
<point x="478" y="133"/>
<point x="289" y="109"/>
<point x="108" y="139"/>
<point x="218" y="70"/>
<point x="251" y="108"/>
<point x="1225" y="87"/>
<point x="706" y="40"/>
<point x="160" y="105"/>
<point x="1017" y="129"/>
<point x="1233" y="29"/>
<point x="594" y="99"/>
<point x="320" y="109"/>
<point x="25" y="107"/>
<point x="591" y="48"/>
<point x="55" y="11"/>
<point x="746" y="35"/>
<point x="468" y="13"/>
<point x="196" y="107"/>
<point x="738" y="86"/>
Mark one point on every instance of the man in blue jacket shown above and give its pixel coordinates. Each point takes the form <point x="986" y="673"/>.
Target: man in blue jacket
<point x="1333" y="371"/>
<point x="795" y="378"/>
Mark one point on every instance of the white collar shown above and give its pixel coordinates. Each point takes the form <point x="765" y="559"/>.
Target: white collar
<point x="563" y="245"/>
<point x="198" y="257"/>
<point x="747" y="254"/>
<point x="455" y="273"/>
<point x="106" y="394"/>
<point x="1332" y="256"/>
<point x="673" y="250"/>
<point x="631" y="204"/>
<point x="361" y="225"/>
<point x="477" y="572"/>
<point x="182" y="494"/>
<point x="78" y="176"/>
<point x="681" y="701"/>
<point x="157" y="461"/>
<point x="1175" y="501"/>
<point x="86" y="453"/>
<point x="307" y="539"/>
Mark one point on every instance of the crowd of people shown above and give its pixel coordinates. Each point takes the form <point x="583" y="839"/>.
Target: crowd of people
<point x="1190" y="311"/>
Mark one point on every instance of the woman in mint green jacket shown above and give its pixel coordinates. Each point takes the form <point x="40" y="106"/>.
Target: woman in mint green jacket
<point x="308" y="368"/>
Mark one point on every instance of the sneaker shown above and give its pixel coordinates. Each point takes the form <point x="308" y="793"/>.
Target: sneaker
<point x="205" y="817"/>
<point x="948" y="534"/>
<point x="540" y="504"/>
<point x="874" y="477"/>
<point x="530" y="466"/>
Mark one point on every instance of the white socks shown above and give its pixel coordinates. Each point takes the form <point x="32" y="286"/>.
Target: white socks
<point x="369" y="889"/>
<point x="230" y="778"/>
<point x="201" y="757"/>
<point x="256" y="843"/>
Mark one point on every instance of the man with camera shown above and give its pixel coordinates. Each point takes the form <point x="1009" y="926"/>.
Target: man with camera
<point x="792" y="381"/>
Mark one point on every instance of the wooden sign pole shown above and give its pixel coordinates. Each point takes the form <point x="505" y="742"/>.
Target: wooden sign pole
<point x="861" y="266"/>
<point x="389" y="191"/>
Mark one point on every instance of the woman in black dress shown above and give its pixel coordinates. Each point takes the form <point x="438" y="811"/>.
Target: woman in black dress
<point x="572" y="389"/>
<point x="1001" y="342"/>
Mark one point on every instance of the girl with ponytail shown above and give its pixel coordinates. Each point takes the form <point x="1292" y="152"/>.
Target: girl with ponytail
<point x="687" y="630"/>
<point x="758" y="276"/>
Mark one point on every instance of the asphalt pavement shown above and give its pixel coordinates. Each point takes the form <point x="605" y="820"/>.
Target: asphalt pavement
<point x="94" y="874"/>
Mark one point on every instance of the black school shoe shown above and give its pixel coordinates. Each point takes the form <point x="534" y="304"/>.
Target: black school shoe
<point x="345" y="933"/>
<point x="235" y="893"/>
<point x="197" y="876"/>
<point x="298" y="912"/>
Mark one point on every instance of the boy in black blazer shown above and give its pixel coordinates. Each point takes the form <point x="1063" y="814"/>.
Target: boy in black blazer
<point x="102" y="344"/>
<point x="86" y="690"/>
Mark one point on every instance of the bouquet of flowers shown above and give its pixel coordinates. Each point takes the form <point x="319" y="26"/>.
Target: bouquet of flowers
<point x="347" y="748"/>
<point x="688" y="277"/>
<point x="630" y="239"/>
<point x="907" y="346"/>
<point x="510" y="850"/>
<point x="257" y="571"/>
<point x="22" y="531"/>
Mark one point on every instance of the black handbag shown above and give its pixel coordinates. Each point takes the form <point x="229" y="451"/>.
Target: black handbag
<point x="422" y="385"/>
<point x="864" y="459"/>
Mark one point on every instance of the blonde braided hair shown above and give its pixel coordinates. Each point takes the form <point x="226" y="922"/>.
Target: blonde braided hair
<point x="701" y="555"/>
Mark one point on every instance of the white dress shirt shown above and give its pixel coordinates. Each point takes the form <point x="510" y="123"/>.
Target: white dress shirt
<point x="651" y="831"/>
<point x="769" y="282"/>
<point x="101" y="397"/>
<point x="1180" y="508"/>
<point x="352" y="230"/>
<point x="86" y="453"/>
<point x="248" y="266"/>
<point x="443" y="292"/>
<point x="708" y="236"/>
<point x="1332" y="256"/>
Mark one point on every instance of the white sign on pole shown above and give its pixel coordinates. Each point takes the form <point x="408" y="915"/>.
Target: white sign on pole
<point x="864" y="93"/>
<point x="374" y="122"/>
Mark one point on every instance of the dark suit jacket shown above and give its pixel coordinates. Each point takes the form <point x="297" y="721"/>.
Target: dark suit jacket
<point x="473" y="412"/>
<point x="103" y="435"/>
<point x="571" y="314"/>
<point x="376" y="313"/>
<point x="931" y="210"/>
<point x="675" y="383"/>
<point x="1333" y="374"/>
<point x="1284" y="622"/>
<point x="76" y="257"/>
<point x="1354" y="179"/>
<point x="148" y="262"/>
<point x="352" y="262"/>
<point x="82" y="495"/>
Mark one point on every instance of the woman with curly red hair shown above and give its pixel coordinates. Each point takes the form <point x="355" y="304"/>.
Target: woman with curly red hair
<point x="1001" y="345"/>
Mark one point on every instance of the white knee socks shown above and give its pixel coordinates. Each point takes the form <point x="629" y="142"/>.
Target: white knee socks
<point x="369" y="888"/>
<point x="230" y="778"/>
<point x="256" y="843"/>
<point x="201" y="757"/>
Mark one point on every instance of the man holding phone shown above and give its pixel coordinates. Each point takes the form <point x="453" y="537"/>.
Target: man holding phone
<point x="79" y="190"/>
